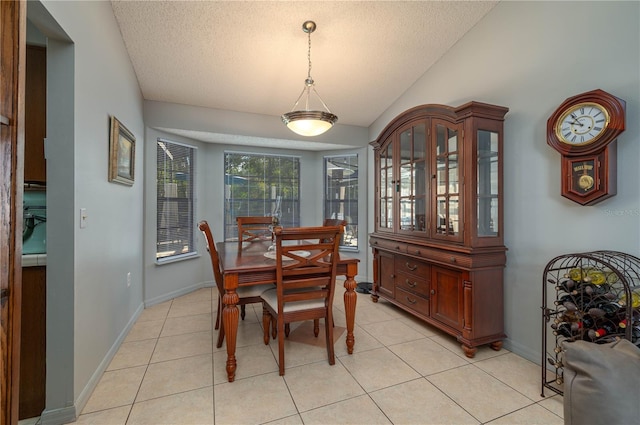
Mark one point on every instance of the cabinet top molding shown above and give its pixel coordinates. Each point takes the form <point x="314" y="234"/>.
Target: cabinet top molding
<point x="450" y="113"/>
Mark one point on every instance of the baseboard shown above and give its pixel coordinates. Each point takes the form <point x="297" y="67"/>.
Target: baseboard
<point x="58" y="416"/>
<point x="175" y="294"/>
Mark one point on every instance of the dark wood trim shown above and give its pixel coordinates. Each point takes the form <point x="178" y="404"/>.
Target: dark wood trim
<point x="13" y="30"/>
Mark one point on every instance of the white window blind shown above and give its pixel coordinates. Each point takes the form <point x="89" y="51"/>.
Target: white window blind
<point x="175" y="177"/>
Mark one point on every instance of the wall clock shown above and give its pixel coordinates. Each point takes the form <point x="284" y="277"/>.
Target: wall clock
<point x="584" y="129"/>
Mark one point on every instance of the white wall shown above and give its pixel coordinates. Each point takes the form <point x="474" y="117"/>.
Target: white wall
<point x="89" y="306"/>
<point x="530" y="57"/>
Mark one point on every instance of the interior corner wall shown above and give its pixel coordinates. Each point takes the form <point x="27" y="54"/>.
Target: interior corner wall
<point x="90" y="307"/>
<point x="530" y="57"/>
<point x="167" y="281"/>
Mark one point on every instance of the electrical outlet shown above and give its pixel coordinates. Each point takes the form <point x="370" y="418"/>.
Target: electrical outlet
<point x="128" y="279"/>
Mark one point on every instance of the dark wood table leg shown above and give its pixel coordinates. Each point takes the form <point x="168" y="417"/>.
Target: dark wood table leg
<point x="350" y="298"/>
<point x="230" y="315"/>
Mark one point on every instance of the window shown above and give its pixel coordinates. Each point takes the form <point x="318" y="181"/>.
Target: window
<point x="175" y="177"/>
<point x="341" y="195"/>
<point x="253" y="183"/>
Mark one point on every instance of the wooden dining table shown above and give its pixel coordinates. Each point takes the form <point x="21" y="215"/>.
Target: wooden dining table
<point x="244" y="264"/>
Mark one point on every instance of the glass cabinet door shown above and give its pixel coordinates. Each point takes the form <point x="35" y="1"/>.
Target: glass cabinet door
<point x="412" y="177"/>
<point x="448" y="185"/>
<point x="488" y="187"/>
<point x="386" y="188"/>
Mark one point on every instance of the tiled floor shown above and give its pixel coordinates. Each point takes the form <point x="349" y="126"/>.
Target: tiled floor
<point x="402" y="371"/>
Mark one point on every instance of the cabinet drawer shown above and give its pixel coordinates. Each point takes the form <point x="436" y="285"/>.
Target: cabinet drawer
<point x="389" y="245"/>
<point x="413" y="283"/>
<point x="413" y="301"/>
<point x="412" y="266"/>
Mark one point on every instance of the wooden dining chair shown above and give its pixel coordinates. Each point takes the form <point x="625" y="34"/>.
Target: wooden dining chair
<point x="305" y="283"/>
<point x="253" y="228"/>
<point x="247" y="294"/>
<point x="334" y="222"/>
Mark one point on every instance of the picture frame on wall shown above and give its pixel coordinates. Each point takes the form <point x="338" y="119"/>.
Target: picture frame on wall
<point x="122" y="154"/>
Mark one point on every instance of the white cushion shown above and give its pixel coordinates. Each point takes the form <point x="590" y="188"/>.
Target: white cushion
<point x="253" y="290"/>
<point x="271" y="298"/>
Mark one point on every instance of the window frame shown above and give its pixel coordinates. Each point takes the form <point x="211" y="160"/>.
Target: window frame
<point x="326" y="201"/>
<point x="191" y="202"/>
<point x="289" y="202"/>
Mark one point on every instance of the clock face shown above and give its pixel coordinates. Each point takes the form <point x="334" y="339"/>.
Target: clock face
<point x="582" y="124"/>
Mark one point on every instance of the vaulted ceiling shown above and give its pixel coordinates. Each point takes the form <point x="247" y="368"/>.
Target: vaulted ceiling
<point x="251" y="56"/>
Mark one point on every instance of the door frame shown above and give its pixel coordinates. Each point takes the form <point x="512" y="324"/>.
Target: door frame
<point x="13" y="30"/>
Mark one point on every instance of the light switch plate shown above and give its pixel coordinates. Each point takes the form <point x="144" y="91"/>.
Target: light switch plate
<point x="83" y="218"/>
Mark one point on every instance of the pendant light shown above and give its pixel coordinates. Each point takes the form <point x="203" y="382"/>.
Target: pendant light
<point x="308" y="122"/>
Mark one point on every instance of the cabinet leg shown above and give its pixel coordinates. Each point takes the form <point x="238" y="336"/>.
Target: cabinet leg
<point x="469" y="351"/>
<point x="374" y="297"/>
<point x="497" y="346"/>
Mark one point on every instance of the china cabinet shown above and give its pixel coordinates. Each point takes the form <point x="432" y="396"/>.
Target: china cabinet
<point x="438" y="243"/>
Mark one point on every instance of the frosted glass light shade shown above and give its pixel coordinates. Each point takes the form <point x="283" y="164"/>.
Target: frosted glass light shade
<point x="309" y="123"/>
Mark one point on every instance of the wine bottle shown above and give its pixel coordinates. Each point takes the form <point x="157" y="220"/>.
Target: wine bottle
<point x="635" y="299"/>
<point x="604" y="328"/>
<point x="567" y="285"/>
<point x="555" y="363"/>
<point x="566" y="329"/>
<point x="575" y="274"/>
<point x="635" y="335"/>
<point x="607" y="309"/>
<point x="596" y="290"/>
<point x="588" y="321"/>
<point x="632" y="321"/>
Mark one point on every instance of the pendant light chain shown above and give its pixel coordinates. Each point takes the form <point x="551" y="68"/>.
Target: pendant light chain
<point x="309" y="79"/>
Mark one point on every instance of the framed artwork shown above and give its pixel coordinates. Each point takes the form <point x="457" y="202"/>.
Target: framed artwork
<point x="122" y="154"/>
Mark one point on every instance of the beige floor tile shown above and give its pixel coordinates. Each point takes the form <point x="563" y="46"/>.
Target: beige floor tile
<point x="190" y="308"/>
<point x="355" y="411"/>
<point x="202" y="294"/>
<point x="520" y="374"/>
<point x="379" y="368"/>
<point x="289" y="420"/>
<point x="187" y="408"/>
<point x="478" y="392"/>
<point x="421" y="326"/>
<point x="187" y="324"/>
<point x="419" y="402"/>
<point x="175" y="376"/>
<point x="268" y="397"/>
<point x="298" y="354"/>
<point x="146" y="329"/>
<point x="427" y="357"/>
<point x="371" y="314"/>
<point x="178" y="346"/>
<point x="554" y="404"/>
<point x="117" y="416"/>
<point x="320" y="384"/>
<point x="156" y="312"/>
<point x="116" y="389"/>
<point x="392" y="332"/>
<point x="252" y="360"/>
<point x="530" y="415"/>
<point x="135" y="353"/>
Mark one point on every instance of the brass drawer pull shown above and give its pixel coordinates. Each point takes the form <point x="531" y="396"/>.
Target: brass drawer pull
<point x="411" y="301"/>
<point x="433" y="292"/>
<point x="410" y="267"/>
<point x="410" y="283"/>
<point x="453" y="259"/>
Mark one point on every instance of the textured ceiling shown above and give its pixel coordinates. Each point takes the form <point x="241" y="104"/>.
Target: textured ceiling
<point x="251" y="56"/>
